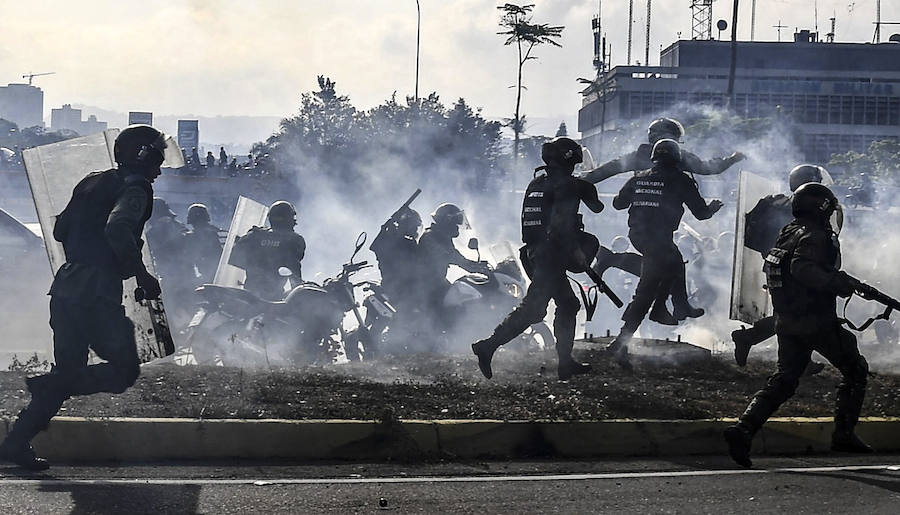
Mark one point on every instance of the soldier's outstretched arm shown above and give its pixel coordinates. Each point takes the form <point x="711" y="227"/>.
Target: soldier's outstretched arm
<point x="608" y="169"/>
<point x="692" y="163"/>
<point x="695" y="202"/>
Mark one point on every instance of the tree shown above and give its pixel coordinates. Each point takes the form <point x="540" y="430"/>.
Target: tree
<point x="562" y="131"/>
<point x="422" y="142"/>
<point x="516" y="19"/>
<point x="881" y="161"/>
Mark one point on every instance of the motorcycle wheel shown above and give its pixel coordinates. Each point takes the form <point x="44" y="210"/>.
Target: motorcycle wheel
<point x="538" y="337"/>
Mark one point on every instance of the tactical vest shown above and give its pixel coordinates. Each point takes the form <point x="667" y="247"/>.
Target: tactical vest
<point x="657" y="204"/>
<point x="82" y="223"/>
<point x="536" y="210"/>
<point x="789" y="298"/>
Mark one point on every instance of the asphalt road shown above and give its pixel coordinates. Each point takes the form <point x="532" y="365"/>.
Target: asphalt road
<point x="822" y="484"/>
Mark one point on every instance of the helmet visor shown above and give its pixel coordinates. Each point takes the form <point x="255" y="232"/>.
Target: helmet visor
<point x="172" y="156"/>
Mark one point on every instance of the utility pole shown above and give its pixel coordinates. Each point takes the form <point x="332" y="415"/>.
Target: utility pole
<point x="647" y="49"/>
<point x="733" y="67"/>
<point x="418" y="33"/>
<point x="830" y="36"/>
<point x="877" y="38"/>
<point x="753" y="21"/>
<point x="779" y="27"/>
<point x="630" y="26"/>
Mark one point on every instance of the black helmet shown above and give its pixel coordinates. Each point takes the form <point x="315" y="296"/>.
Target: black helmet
<point x="563" y="151"/>
<point x="666" y="151"/>
<point x="197" y="213"/>
<point x="282" y="214"/>
<point x="815" y="200"/>
<point x="665" y="128"/>
<point x="801" y="174"/>
<point x="140" y="145"/>
<point x="409" y="221"/>
<point x="448" y="213"/>
<point x="161" y="208"/>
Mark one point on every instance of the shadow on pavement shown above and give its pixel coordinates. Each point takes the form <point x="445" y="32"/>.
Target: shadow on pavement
<point x="118" y="499"/>
<point x="883" y="479"/>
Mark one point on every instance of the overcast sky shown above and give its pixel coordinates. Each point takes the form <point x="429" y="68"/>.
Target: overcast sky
<point x="239" y="57"/>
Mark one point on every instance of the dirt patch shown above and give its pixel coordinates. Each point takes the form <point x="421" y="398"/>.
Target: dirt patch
<point x="432" y="387"/>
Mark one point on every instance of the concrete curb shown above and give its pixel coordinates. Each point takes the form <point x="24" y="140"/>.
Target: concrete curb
<point x="102" y="439"/>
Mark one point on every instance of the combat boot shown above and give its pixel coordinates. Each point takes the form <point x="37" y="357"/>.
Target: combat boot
<point x="619" y="350"/>
<point x="661" y="315"/>
<point x="742" y="344"/>
<point x="847" y="441"/>
<point x="484" y="350"/>
<point x="22" y="454"/>
<point x="570" y="367"/>
<point x="739" y="440"/>
<point x="682" y="313"/>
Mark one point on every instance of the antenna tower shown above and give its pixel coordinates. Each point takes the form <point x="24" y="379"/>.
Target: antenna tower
<point x="630" y="26"/>
<point x="701" y="19"/>
<point x="830" y="36"/>
<point x="599" y="42"/>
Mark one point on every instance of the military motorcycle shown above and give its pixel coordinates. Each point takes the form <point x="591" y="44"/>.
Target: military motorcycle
<point x="476" y="303"/>
<point x="473" y="305"/>
<point x="234" y="326"/>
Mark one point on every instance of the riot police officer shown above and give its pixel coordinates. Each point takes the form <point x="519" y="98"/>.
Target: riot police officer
<point x="100" y="230"/>
<point x="655" y="200"/>
<point x="763" y="225"/>
<point x="263" y="251"/>
<point x="396" y="248"/>
<point x="436" y="253"/>
<point x="640" y="159"/>
<point x="804" y="278"/>
<point x="554" y="243"/>
<point x="202" y="245"/>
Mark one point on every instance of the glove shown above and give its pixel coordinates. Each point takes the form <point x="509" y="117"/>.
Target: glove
<point x="842" y="285"/>
<point x="149" y="284"/>
<point x="715" y="205"/>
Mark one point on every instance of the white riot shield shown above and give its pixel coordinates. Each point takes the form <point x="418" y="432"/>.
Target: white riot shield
<point x="53" y="171"/>
<point x="749" y="299"/>
<point x="247" y="214"/>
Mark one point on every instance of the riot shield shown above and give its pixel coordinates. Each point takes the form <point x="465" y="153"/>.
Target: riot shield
<point x="247" y="213"/>
<point x="53" y="171"/>
<point x="749" y="299"/>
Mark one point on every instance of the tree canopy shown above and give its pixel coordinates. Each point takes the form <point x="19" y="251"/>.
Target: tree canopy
<point x="384" y="147"/>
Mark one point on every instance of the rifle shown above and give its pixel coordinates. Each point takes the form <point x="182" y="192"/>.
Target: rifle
<point x="868" y="292"/>
<point x="604" y="288"/>
<point x="405" y="205"/>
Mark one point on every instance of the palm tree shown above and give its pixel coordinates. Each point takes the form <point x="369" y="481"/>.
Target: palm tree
<point x="525" y="35"/>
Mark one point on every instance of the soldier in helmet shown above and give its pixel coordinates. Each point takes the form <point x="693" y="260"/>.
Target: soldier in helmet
<point x="554" y="243"/>
<point x="165" y="236"/>
<point x="397" y="249"/>
<point x="202" y="245"/>
<point x="655" y="200"/>
<point x="436" y="253"/>
<point x="763" y="224"/>
<point x="665" y="128"/>
<point x="804" y="279"/>
<point x="100" y="230"/>
<point x="263" y="251"/>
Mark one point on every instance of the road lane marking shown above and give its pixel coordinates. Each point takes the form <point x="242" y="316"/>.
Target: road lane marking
<point x="16" y="481"/>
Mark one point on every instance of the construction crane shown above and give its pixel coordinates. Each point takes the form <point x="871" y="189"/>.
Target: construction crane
<point x="31" y="76"/>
